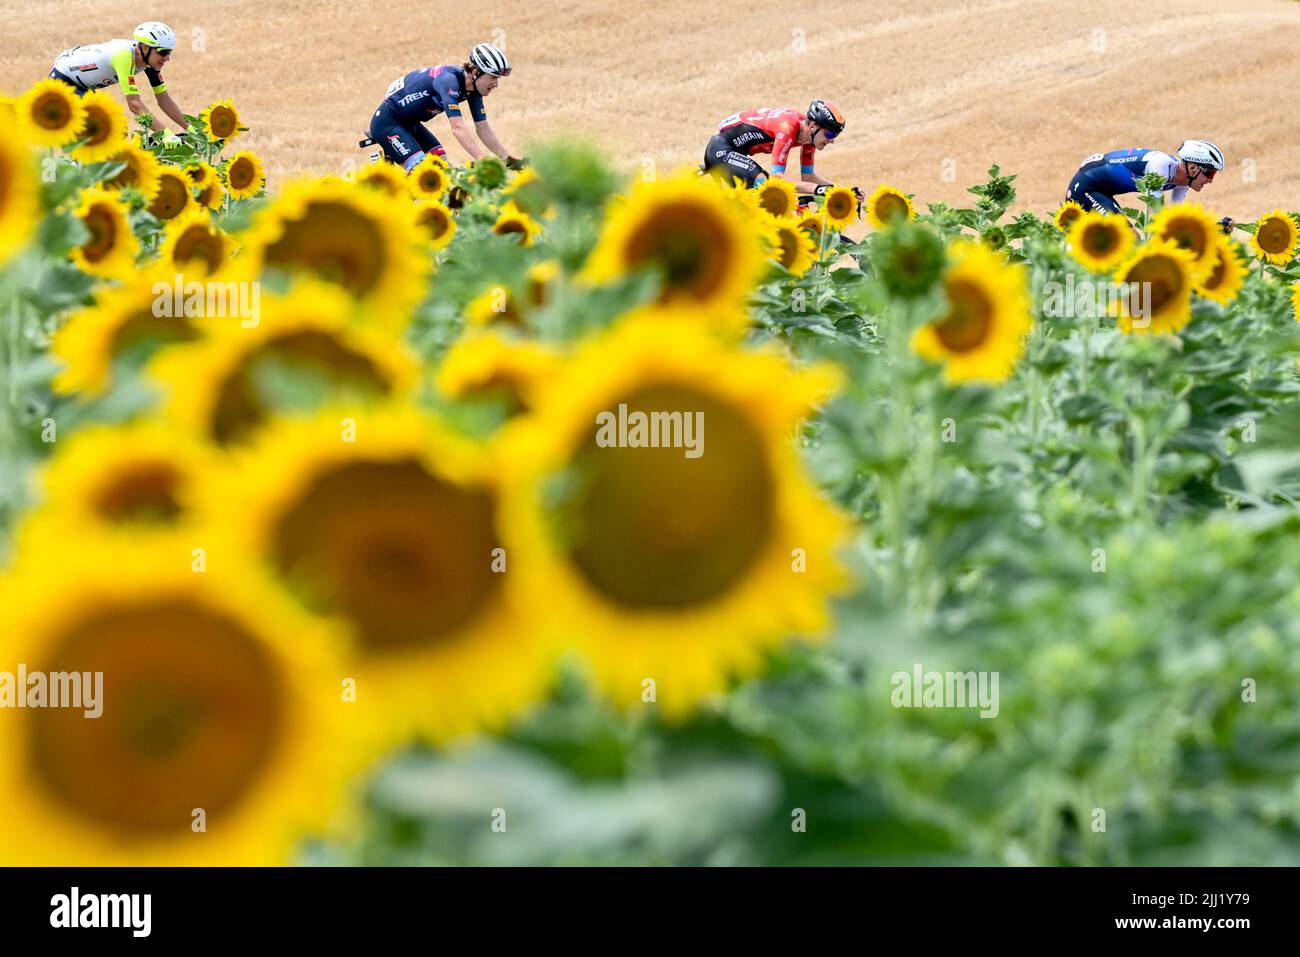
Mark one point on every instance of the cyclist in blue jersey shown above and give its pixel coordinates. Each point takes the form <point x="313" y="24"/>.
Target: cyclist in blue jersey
<point x="1103" y="176"/>
<point x="419" y="96"/>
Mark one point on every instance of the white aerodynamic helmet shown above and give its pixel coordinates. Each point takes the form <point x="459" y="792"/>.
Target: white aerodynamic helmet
<point x="1201" y="152"/>
<point x="152" y="33"/>
<point x="490" y="59"/>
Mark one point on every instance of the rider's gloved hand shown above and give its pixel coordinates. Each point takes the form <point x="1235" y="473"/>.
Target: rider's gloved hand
<point x="821" y="190"/>
<point x="516" y="162"/>
<point x="1226" y="225"/>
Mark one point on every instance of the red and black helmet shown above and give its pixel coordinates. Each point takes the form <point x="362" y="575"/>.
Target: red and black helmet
<point x="826" y="115"/>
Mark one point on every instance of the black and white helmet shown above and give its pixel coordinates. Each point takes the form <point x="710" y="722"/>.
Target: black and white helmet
<point x="1203" y="153"/>
<point x="490" y="60"/>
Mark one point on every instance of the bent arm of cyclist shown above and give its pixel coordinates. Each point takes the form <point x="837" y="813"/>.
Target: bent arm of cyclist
<point x="170" y="107"/>
<point x="817" y="179"/>
<point x="465" y="138"/>
<point x="136" y="105"/>
<point x="489" y="137"/>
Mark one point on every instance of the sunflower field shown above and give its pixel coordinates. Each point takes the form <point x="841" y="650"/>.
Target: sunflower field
<point x="346" y="490"/>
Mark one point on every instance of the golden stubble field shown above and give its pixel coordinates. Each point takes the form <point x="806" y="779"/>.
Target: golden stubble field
<point x="934" y="90"/>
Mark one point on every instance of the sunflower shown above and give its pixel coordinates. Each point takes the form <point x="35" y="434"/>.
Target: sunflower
<point x="104" y="131"/>
<point x="429" y="179"/>
<point x="245" y="175"/>
<point x="385" y="177"/>
<point x="1295" y="300"/>
<point x="1159" y="278"/>
<point x="706" y="251"/>
<point x="212" y="195"/>
<point x="489" y="365"/>
<point x="840" y="206"/>
<point x="1276" y="238"/>
<point x="814" y="224"/>
<point x="109" y="479"/>
<point x="173" y="194"/>
<point x="1228" y="274"/>
<point x="982" y="332"/>
<point x="795" y="248"/>
<point x="201" y="174"/>
<point x="513" y="221"/>
<point x="778" y="197"/>
<point x="111" y="249"/>
<point x="396" y="534"/>
<point x="494" y="306"/>
<point x="50" y="114"/>
<point x="125" y="324"/>
<point x="889" y="205"/>
<point x="348" y="235"/>
<point x="195" y="247"/>
<point x="540" y="281"/>
<point x="141" y="172"/>
<point x="908" y="259"/>
<point x="7" y="114"/>
<point x="221" y="120"/>
<point x="436" y="221"/>
<point x="1099" y="242"/>
<point x="219" y="735"/>
<point x="1190" y="227"/>
<point x="1066" y="214"/>
<point x="19" y="192"/>
<point x="305" y="349"/>
<point x="684" y="561"/>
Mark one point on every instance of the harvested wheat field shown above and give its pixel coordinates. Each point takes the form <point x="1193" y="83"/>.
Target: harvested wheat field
<point x="934" y="90"/>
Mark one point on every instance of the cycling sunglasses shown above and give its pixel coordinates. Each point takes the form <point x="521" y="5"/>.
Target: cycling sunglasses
<point x="829" y="134"/>
<point x="162" y="52"/>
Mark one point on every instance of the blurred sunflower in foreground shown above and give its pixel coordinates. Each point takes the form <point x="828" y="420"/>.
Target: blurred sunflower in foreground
<point x="705" y="251"/>
<point x="391" y="524"/>
<point x="219" y="740"/>
<point x="679" y="563"/>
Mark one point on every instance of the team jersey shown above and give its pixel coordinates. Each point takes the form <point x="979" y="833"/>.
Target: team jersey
<point x="422" y="94"/>
<point x="1119" y="170"/>
<point x="103" y="64"/>
<point x="772" y="131"/>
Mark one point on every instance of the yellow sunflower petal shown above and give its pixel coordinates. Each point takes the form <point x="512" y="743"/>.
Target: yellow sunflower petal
<point x="1099" y="242"/>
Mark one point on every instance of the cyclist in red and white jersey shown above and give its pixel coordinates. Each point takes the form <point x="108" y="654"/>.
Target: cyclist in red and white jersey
<point x="776" y="131"/>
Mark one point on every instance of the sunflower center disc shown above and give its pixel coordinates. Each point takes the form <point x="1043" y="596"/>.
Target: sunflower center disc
<point x="335" y="241"/>
<point x="192" y="710"/>
<point x="146" y="492"/>
<point x="967" y="324"/>
<point x="240" y="408"/>
<point x="405" y="556"/>
<point x="652" y="528"/>
<point x="687" y="245"/>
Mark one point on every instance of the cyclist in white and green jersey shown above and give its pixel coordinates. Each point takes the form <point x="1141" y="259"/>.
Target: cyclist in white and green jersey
<point x="118" y="61"/>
